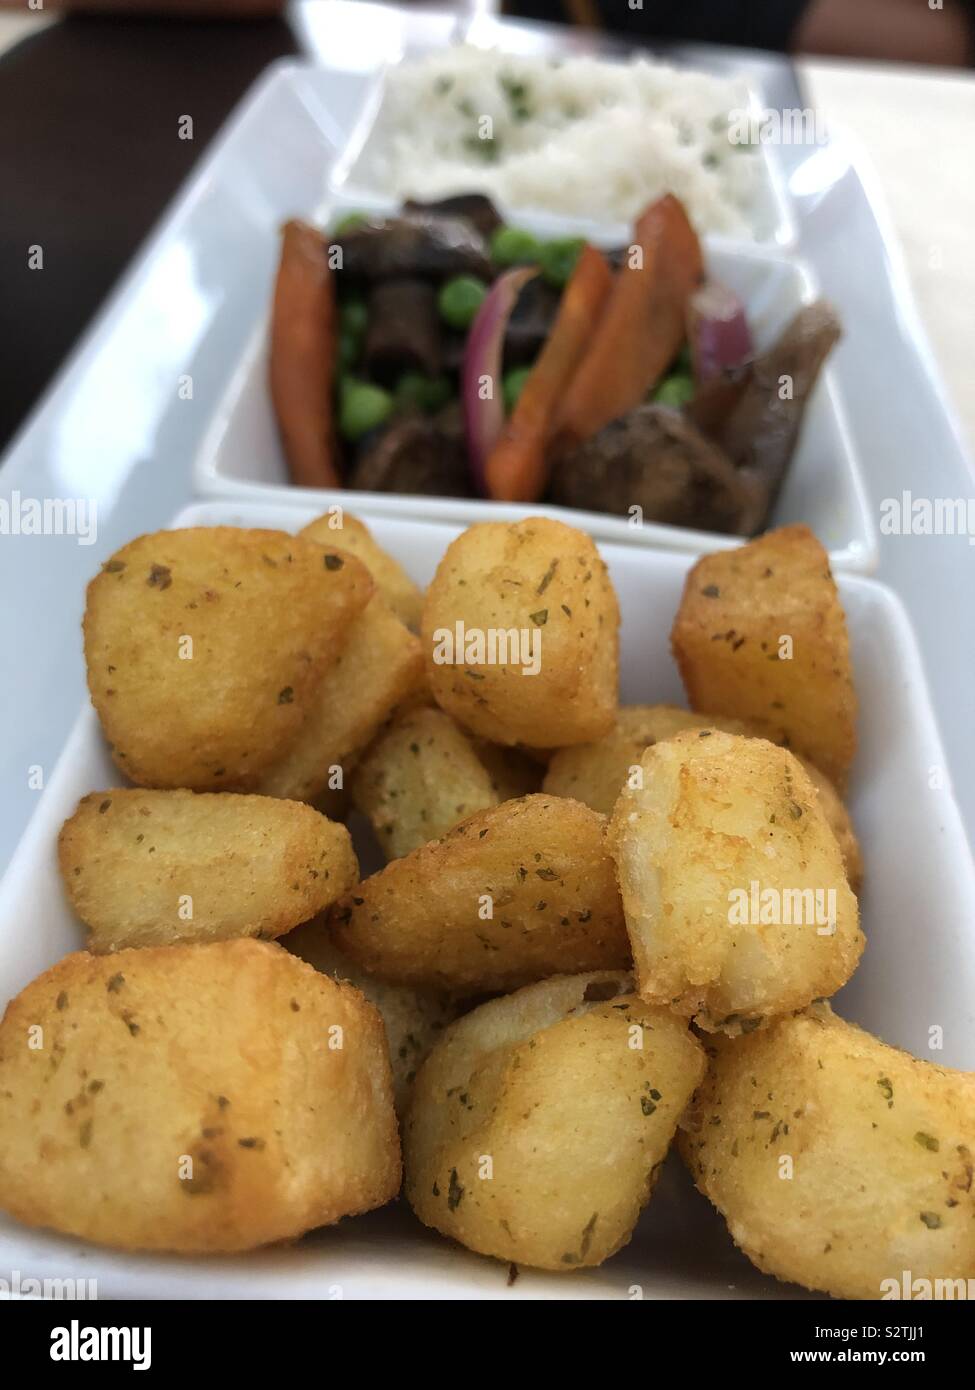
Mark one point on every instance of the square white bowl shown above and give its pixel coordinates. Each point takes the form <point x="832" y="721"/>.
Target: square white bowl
<point x="918" y="971"/>
<point x="241" y="454"/>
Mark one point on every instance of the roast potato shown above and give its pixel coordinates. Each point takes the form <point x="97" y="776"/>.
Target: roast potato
<point x="733" y="884"/>
<point x="539" y="1122"/>
<point x="378" y="667"/>
<point x="196" y="1098"/>
<point x="512" y="894"/>
<point x="418" y="778"/>
<point x="338" y="528"/>
<point x="761" y="635"/>
<point x="206" y="649"/>
<point x="838" y="1162"/>
<point x="148" y="868"/>
<point x="595" y="773"/>
<point x="520" y="634"/>
<point x="414" y="1018"/>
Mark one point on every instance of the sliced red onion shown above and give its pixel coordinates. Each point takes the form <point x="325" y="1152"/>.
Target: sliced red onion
<point x="484" y="419"/>
<point x="717" y="330"/>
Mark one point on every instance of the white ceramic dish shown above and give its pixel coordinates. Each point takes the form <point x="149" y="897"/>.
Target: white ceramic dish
<point x="918" y="970"/>
<point x="241" y="453"/>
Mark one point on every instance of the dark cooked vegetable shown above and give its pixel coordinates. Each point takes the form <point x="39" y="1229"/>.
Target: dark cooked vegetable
<point x="362" y="407"/>
<point x="558" y="258"/>
<point x="760" y="431"/>
<point x="403" y="329"/>
<point x="513" y="246"/>
<point x="415" y="454"/>
<point x="303" y="355"/>
<point x="643" y="325"/>
<point x="531" y="321"/>
<point x="416" y="243"/>
<point x="655" y="459"/>
<point x="459" y="300"/>
<point x="474" y="208"/>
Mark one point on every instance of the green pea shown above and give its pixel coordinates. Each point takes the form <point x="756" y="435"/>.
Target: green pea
<point x="348" y="223"/>
<point x="675" y="390"/>
<point x="353" y="317"/>
<point x="512" y="246"/>
<point x="459" y="300"/>
<point x="513" y="385"/>
<point x="558" y="259"/>
<point x="362" y="407"/>
<point x="414" y="391"/>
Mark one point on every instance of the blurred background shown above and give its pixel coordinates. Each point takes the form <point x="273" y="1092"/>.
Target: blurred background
<point x="90" y="93"/>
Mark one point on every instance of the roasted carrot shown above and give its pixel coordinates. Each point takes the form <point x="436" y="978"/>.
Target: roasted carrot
<point x="304" y="338"/>
<point x="643" y="325"/>
<point x="516" y="466"/>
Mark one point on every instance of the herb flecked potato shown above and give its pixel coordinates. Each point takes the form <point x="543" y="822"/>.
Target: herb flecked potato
<point x="419" y="777"/>
<point x="149" y="868"/>
<point x="761" y="635"/>
<point x="595" y="773"/>
<point x="539" y="591"/>
<point x="379" y="665"/>
<point x="200" y="1098"/>
<point x="838" y="1162"/>
<point x="339" y="529"/>
<point x="733" y="884"/>
<point x="512" y="894"/>
<point x="539" y="1122"/>
<point x="205" y="649"/>
<point x="414" y="1018"/>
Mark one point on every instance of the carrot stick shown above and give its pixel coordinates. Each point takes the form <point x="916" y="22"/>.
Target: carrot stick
<point x="304" y="335"/>
<point x="516" y="467"/>
<point x="643" y="325"/>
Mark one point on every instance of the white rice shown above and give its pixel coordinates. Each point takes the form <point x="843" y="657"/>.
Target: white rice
<point x="580" y="137"/>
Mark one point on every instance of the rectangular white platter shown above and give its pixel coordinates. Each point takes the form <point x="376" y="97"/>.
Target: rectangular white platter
<point x="116" y="429"/>
<point x="918" y="971"/>
<point x="241" y="455"/>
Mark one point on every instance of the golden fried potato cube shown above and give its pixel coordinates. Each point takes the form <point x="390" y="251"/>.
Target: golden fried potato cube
<point x="761" y="635"/>
<point x="595" y="773"/>
<point x="379" y="666"/>
<point x="418" y="778"/>
<point x="840" y="822"/>
<point x="512" y="894"/>
<point x="839" y="1163"/>
<point x="339" y="529"/>
<point x="206" y="648"/>
<point x="149" y="868"/>
<point x="520" y="634"/>
<point x="733" y="884"/>
<point x="201" y="1098"/>
<point x="414" y="1018"/>
<point x="539" y="1121"/>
